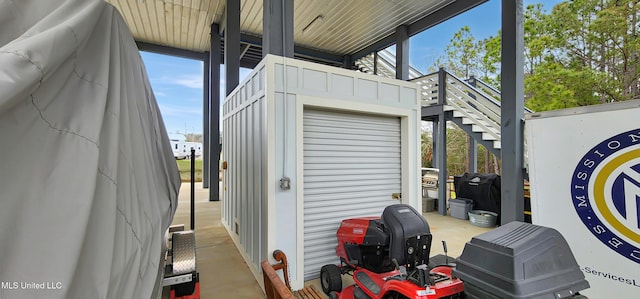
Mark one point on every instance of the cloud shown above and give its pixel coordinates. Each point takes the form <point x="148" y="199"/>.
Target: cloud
<point x="174" y="110"/>
<point x="194" y="81"/>
<point x="160" y="94"/>
<point x="190" y="81"/>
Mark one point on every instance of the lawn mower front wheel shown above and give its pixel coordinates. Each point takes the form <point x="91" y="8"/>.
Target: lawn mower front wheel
<point x="331" y="279"/>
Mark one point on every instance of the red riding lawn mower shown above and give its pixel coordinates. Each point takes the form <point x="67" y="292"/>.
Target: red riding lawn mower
<point x="388" y="257"/>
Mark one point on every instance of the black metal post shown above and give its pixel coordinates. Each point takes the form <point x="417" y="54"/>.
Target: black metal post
<point x="473" y="143"/>
<point x="214" y="114"/>
<point x="231" y="47"/>
<point x="277" y="21"/>
<point x="402" y="53"/>
<point x="193" y="188"/>
<point x="441" y="142"/>
<point x="375" y="63"/>
<point x="512" y="111"/>
<point x="206" y="108"/>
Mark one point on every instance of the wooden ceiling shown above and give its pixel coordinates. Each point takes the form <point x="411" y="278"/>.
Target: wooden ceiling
<point x="338" y="27"/>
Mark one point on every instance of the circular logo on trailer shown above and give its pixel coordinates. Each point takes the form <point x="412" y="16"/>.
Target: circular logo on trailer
<point x="605" y="190"/>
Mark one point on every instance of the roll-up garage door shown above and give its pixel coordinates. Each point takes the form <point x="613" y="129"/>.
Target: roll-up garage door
<point x="351" y="169"/>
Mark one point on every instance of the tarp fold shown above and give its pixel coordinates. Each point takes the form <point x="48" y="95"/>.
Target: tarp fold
<point x="88" y="181"/>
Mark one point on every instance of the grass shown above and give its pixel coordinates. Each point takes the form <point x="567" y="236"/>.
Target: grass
<point x="184" y="166"/>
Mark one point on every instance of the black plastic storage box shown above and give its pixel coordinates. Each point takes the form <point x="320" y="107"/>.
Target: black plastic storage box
<point x="519" y="260"/>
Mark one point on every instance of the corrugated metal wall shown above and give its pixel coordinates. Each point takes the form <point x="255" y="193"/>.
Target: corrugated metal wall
<point x="351" y="168"/>
<point x="244" y="149"/>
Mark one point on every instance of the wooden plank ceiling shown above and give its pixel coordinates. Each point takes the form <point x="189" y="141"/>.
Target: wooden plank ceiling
<point x="330" y="26"/>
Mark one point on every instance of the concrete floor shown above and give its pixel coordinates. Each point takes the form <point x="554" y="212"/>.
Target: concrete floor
<point x="223" y="272"/>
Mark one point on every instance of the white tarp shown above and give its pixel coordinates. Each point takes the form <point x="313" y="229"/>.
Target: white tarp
<point x="88" y="182"/>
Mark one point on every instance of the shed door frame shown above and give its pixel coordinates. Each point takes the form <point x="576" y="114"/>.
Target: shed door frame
<point x="407" y="116"/>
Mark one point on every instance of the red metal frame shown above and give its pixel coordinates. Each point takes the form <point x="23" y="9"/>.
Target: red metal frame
<point x="195" y="295"/>
<point x="439" y="290"/>
<point x="353" y="231"/>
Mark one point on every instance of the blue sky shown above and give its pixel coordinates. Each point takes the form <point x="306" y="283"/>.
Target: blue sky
<point x="177" y="82"/>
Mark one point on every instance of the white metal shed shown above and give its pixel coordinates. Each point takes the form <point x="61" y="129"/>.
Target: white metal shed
<point x="346" y="140"/>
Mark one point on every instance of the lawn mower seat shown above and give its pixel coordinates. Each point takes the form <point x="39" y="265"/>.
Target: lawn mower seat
<point x="410" y="237"/>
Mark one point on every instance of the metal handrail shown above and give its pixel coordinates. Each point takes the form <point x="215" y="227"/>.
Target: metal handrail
<point x="485" y="122"/>
<point x="390" y="60"/>
<point x="481" y="97"/>
<point x="425" y="76"/>
<point x="386" y="64"/>
<point x="428" y="88"/>
<point x="488" y="116"/>
<point x="368" y="63"/>
<point x="493" y="92"/>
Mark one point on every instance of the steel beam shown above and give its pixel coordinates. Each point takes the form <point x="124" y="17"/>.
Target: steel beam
<point x="347" y="62"/>
<point x="153" y="48"/>
<point x="243" y="50"/>
<point x="473" y="155"/>
<point x="431" y="112"/>
<point x="277" y="28"/>
<point x="299" y="51"/>
<point x="206" y="104"/>
<point x="232" y="45"/>
<point x="441" y="143"/>
<point x="512" y="111"/>
<point x="375" y="63"/>
<point x="214" y="113"/>
<point x="477" y="136"/>
<point x="318" y="56"/>
<point x="440" y="15"/>
<point x="381" y="44"/>
<point x="245" y="61"/>
<point x="441" y="163"/>
<point x="402" y="53"/>
<point x="434" y="143"/>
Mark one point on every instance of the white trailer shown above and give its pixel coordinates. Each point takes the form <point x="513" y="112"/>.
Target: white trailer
<point x="194" y="145"/>
<point x="179" y="146"/>
<point x="585" y="182"/>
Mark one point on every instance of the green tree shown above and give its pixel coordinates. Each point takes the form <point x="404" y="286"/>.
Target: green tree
<point x="489" y="65"/>
<point x="456" y="151"/>
<point x="538" y="37"/>
<point x="554" y="86"/>
<point x="426" y="153"/>
<point x="581" y="53"/>
<point x="487" y="162"/>
<point x="596" y="43"/>
<point x="461" y="57"/>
